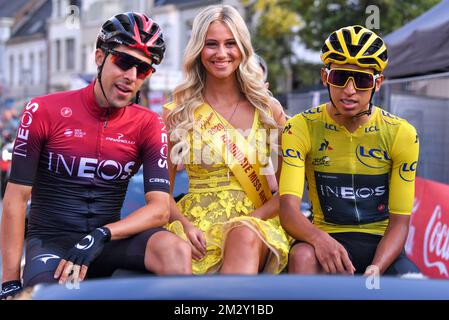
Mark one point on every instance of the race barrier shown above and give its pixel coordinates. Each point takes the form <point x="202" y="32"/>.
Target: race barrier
<point x="428" y="240"/>
<point x="262" y="287"/>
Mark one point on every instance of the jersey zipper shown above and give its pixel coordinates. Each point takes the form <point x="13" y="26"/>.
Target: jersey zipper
<point x="353" y="183"/>
<point x="105" y="123"/>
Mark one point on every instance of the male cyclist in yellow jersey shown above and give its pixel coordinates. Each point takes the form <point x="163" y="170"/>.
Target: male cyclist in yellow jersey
<point x="359" y="162"/>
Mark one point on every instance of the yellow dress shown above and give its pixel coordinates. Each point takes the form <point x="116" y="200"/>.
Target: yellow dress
<point x="216" y="203"/>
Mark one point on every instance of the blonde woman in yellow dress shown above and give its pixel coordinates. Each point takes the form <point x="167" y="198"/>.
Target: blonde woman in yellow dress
<point x="229" y="215"/>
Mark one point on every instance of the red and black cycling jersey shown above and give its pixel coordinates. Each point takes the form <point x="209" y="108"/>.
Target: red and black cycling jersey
<point x="79" y="158"/>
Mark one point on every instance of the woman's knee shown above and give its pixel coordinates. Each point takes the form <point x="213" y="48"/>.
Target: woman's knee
<point x="243" y="237"/>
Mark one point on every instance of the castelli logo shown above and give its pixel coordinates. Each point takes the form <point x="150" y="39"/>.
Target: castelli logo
<point x="66" y="112"/>
<point x="436" y="242"/>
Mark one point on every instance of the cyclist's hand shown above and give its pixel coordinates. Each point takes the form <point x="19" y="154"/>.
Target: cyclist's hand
<point x="197" y="241"/>
<point x="372" y="270"/>
<point x="332" y="256"/>
<point x="78" y="259"/>
<point x="10" y="289"/>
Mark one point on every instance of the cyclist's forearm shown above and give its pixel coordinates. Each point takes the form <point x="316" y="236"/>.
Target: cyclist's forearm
<point x="294" y="221"/>
<point x="270" y="209"/>
<point x="391" y="244"/>
<point x="175" y="213"/>
<point x="13" y="232"/>
<point x="154" y="214"/>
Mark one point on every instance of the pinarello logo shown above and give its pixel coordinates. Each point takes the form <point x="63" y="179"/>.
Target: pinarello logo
<point x="381" y="207"/>
<point x="66" y="112"/>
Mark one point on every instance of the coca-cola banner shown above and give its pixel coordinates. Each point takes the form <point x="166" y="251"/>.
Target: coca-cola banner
<point x="428" y="240"/>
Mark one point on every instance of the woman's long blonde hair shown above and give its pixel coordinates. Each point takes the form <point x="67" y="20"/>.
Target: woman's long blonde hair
<point x="188" y="96"/>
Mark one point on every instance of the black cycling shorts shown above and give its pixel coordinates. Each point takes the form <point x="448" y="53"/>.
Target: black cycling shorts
<point x="44" y="253"/>
<point x="361" y="248"/>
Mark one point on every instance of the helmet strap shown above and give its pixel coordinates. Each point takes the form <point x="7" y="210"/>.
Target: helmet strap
<point x="100" y="70"/>
<point x="136" y="99"/>
<point x="367" y="112"/>
<point x="370" y="106"/>
<point x="332" y="102"/>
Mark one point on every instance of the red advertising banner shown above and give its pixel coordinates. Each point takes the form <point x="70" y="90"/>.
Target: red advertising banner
<point x="428" y="240"/>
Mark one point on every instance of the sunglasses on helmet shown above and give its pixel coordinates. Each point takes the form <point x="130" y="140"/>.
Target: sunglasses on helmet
<point x="126" y="61"/>
<point x="362" y="80"/>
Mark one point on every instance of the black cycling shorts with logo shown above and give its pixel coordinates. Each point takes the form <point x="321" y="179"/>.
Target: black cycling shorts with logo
<point x="43" y="255"/>
<point x="361" y="248"/>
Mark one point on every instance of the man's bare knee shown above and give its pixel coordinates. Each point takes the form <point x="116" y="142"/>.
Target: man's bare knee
<point x="167" y="253"/>
<point x="302" y="259"/>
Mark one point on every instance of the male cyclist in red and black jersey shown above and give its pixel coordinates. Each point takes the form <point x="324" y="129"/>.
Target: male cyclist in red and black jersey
<point x="76" y="151"/>
<point x="360" y="165"/>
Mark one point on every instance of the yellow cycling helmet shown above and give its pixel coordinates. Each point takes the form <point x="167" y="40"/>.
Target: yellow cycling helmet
<point x="355" y="45"/>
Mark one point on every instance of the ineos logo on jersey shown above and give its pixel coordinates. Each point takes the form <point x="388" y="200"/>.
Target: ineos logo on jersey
<point x="162" y="163"/>
<point x="66" y="112"/>
<point x="21" y="145"/>
<point x="89" y="167"/>
<point x="114" y="164"/>
<point x="90" y="242"/>
<point x="351" y="193"/>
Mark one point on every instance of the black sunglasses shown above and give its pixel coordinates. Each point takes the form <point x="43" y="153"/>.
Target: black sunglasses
<point x="126" y="61"/>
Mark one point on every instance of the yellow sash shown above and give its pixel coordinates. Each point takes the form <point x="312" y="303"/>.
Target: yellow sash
<point x="244" y="166"/>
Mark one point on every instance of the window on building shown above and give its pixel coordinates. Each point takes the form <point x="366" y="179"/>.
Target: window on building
<point x="59" y="8"/>
<point x="11" y="70"/>
<point x="58" y="54"/>
<point x="167" y="56"/>
<point x="84" y="58"/>
<point x="42" y="70"/>
<point x="21" y="68"/>
<point x="70" y="56"/>
<point x="31" y="68"/>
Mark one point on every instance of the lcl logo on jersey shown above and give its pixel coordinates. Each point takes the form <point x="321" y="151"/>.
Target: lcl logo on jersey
<point x="371" y="129"/>
<point x="313" y="111"/>
<point x="372" y="157"/>
<point x="407" y="171"/>
<point x="330" y="126"/>
<point x="292" y="153"/>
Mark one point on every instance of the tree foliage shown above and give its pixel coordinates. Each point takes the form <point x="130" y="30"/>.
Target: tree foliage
<point x="275" y="23"/>
<point x="322" y="17"/>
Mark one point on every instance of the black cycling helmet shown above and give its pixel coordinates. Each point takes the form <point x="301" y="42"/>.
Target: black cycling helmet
<point x="134" y="30"/>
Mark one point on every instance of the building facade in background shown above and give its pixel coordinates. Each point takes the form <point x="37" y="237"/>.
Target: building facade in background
<point x="48" y="45"/>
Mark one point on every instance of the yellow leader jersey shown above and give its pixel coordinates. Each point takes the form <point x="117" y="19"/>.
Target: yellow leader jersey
<point x="354" y="179"/>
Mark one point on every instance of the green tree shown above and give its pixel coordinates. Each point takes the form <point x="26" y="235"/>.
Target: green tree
<point x="323" y="17"/>
<point x="274" y="24"/>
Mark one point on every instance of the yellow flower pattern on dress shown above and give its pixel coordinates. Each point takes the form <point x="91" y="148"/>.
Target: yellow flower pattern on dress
<point x="215" y="204"/>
